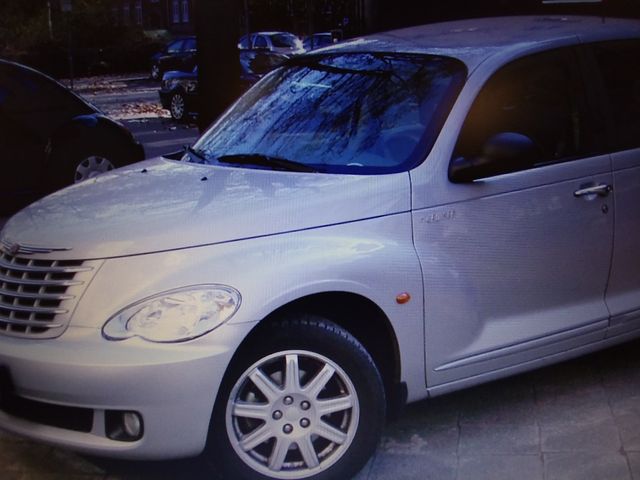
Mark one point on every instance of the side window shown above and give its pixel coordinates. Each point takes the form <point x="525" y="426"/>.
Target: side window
<point x="619" y="64"/>
<point x="260" y="42"/>
<point x="189" y="45"/>
<point x="540" y="97"/>
<point x="243" y="43"/>
<point x="175" y="47"/>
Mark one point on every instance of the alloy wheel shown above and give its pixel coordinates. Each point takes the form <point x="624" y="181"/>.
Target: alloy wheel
<point x="177" y="106"/>
<point x="155" y="72"/>
<point x="292" y="414"/>
<point x="92" y="166"/>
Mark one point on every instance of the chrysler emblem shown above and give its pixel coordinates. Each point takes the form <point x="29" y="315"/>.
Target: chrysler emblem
<point x="16" y="248"/>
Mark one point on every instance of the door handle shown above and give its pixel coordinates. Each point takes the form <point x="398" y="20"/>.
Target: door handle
<point x="600" y="190"/>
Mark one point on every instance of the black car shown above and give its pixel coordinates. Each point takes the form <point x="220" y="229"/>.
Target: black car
<point x="51" y="138"/>
<point x="178" y="93"/>
<point x="179" y="54"/>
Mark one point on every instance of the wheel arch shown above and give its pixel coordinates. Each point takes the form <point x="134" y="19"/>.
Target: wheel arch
<point x="86" y="128"/>
<point x="363" y="319"/>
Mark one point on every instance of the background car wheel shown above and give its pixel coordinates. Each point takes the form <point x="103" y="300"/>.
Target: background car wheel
<point x="91" y="166"/>
<point x="75" y="161"/>
<point x="178" y="107"/>
<point x="156" y="74"/>
<point x="305" y="401"/>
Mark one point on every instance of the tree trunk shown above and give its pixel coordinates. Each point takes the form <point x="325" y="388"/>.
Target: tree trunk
<point x="217" y="29"/>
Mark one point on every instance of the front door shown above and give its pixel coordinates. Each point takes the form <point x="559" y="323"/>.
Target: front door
<point x="516" y="265"/>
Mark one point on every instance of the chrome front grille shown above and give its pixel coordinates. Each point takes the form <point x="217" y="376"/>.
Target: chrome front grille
<point x="37" y="296"/>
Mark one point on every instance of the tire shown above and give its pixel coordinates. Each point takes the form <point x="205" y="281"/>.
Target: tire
<point x="156" y="73"/>
<point x="268" y="425"/>
<point x="178" y="107"/>
<point x="76" y="161"/>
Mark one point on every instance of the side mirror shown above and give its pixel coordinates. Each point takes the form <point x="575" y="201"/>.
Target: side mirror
<point x="505" y="152"/>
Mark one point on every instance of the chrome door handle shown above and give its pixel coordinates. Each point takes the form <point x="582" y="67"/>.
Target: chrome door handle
<point x="600" y="190"/>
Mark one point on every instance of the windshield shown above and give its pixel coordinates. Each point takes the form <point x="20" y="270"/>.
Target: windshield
<point x="343" y="113"/>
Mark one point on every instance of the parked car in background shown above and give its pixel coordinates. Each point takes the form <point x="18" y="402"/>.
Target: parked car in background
<point x="277" y="42"/>
<point x="50" y="137"/>
<point x="179" y="93"/>
<point x="318" y="40"/>
<point x="179" y="90"/>
<point x="261" y="52"/>
<point x="380" y="222"/>
<point x="179" y="54"/>
<point x="255" y="64"/>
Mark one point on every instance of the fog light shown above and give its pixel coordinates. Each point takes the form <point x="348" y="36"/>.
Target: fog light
<point x="132" y="424"/>
<point x="123" y="426"/>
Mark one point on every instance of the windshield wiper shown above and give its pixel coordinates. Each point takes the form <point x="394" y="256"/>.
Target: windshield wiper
<point x="262" y="160"/>
<point x="315" y="62"/>
<point x="196" y="153"/>
<point x="334" y="69"/>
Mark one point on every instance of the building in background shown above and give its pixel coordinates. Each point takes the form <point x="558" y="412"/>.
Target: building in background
<point x="175" y="16"/>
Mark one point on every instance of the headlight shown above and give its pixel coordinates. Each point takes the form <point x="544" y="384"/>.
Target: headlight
<point x="190" y="86"/>
<point x="170" y="83"/>
<point x="176" y="315"/>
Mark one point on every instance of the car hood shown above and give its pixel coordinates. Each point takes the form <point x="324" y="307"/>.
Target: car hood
<point x="161" y="204"/>
<point x="179" y="74"/>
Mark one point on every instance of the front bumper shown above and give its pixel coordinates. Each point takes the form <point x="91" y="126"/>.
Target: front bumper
<point x="172" y="386"/>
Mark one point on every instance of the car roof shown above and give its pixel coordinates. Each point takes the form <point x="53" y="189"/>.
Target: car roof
<point x="25" y="77"/>
<point x="272" y="33"/>
<point x="474" y="40"/>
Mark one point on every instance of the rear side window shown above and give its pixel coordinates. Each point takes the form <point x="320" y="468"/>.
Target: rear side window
<point x="619" y="64"/>
<point x="189" y="45"/>
<point x="539" y="96"/>
<point x="175" y="47"/>
<point x="243" y="43"/>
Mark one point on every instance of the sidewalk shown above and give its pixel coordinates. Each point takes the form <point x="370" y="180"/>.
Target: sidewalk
<point x="122" y="97"/>
<point x="575" y="421"/>
<point x="107" y="82"/>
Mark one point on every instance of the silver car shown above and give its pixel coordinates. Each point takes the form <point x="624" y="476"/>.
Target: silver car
<point x="389" y="219"/>
<point x="277" y="42"/>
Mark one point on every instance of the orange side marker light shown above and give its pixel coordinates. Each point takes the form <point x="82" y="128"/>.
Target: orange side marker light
<point x="403" y="298"/>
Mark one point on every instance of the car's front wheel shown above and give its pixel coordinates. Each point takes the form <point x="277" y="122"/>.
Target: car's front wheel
<point x="306" y="402"/>
<point x="156" y="73"/>
<point x="178" y="107"/>
<point x="76" y="159"/>
<point x="91" y="166"/>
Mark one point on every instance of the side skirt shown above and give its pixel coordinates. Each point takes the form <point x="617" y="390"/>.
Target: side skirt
<point x="531" y="365"/>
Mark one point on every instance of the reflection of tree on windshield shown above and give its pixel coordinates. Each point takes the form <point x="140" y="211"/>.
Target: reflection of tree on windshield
<point x="336" y="111"/>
